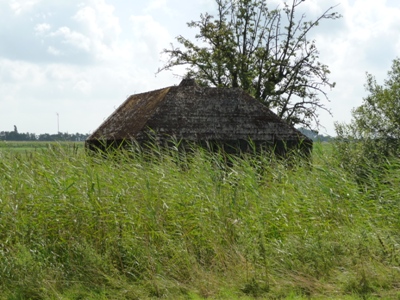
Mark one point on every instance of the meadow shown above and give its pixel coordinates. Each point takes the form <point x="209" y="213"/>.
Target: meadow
<point x="25" y="146"/>
<point x="198" y="225"/>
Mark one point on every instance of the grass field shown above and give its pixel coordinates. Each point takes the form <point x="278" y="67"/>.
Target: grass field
<point x="33" y="146"/>
<point x="194" y="226"/>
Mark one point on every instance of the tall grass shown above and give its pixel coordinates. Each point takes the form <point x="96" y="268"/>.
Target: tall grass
<point x="192" y="226"/>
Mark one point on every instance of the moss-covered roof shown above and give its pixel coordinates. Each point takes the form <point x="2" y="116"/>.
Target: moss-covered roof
<point x="194" y="113"/>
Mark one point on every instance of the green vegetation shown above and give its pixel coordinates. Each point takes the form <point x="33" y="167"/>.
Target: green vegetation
<point x="368" y="143"/>
<point x="27" y="146"/>
<point x="201" y="225"/>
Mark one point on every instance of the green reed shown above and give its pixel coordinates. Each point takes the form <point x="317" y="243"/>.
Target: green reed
<point x="194" y="225"/>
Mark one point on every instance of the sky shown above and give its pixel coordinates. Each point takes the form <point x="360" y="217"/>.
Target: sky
<point x="66" y="65"/>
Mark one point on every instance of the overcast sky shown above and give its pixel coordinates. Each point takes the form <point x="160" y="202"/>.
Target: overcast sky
<point x="80" y="59"/>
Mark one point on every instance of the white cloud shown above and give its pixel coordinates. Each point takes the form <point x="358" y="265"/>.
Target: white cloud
<point x="23" y="6"/>
<point x="99" y="21"/>
<point x="82" y="58"/>
<point x="42" y="28"/>
<point x="149" y="36"/>
<point x="74" y="38"/>
<point x="157" y="5"/>
<point x="54" y="51"/>
<point x="18" y="71"/>
<point x="88" y="32"/>
<point x="366" y="42"/>
<point x="83" y="86"/>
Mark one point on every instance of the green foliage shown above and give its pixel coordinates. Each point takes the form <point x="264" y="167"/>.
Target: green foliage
<point x="28" y="147"/>
<point x="379" y="115"/>
<point x="265" y="52"/>
<point x="193" y="226"/>
<point x="372" y="138"/>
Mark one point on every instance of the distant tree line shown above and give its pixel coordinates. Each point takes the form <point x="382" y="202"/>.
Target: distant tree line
<point x="61" y="136"/>
<point x="77" y="137"/>
<point x="314" y="135"/>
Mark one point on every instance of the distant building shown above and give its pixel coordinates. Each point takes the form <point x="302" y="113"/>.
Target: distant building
<point x="224" y="117"/>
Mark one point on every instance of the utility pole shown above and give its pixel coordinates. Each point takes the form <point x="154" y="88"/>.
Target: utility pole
<point x="58" y="123"/>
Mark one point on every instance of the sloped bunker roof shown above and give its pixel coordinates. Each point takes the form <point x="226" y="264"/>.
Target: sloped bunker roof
<point x="227" y="116"/>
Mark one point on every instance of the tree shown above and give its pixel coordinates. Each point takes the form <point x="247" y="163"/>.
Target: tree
<point x="377" y="120"/>
<point x="372" y="137"/>
<point x="379" y="116"/>
<point x="265" y="52"/>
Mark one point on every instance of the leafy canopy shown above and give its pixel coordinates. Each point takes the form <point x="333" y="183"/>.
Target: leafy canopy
<point x="372" y="137"/>
<point x="377" y="120"/>
<point x="264" y="51"/>
<point x="379" y="115"/>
